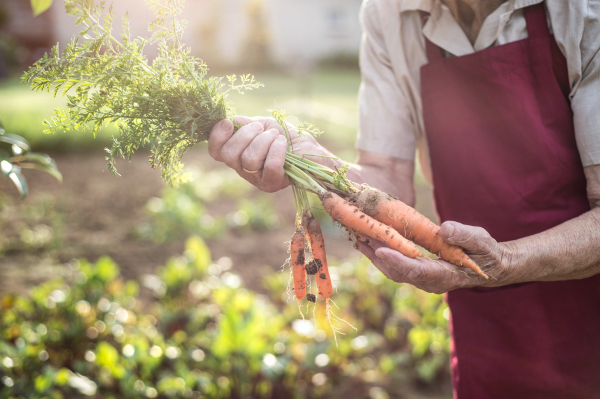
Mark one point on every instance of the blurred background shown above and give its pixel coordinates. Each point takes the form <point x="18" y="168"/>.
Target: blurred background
<point x="186" y="290"/>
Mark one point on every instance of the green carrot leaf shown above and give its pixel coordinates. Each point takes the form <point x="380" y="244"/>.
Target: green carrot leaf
<point x="39" y="6"/>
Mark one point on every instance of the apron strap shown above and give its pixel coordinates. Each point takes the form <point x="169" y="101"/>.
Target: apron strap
<point x="434" y="53"/>
<point x="537" y="26"/>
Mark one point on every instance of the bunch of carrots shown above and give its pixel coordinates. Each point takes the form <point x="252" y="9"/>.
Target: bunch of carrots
<point x="365" y="212"/>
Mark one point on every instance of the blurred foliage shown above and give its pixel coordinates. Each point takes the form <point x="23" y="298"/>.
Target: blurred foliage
<point x="182" y="211"/>
<point x="39" y="6"/>
<point x="203" y="335"/>
<point x="340" y="60"/>
<point x="31" y="227"/>
<point x="257" y="40"/>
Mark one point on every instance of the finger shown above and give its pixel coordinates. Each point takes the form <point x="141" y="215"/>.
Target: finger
<point x="234" y="147"/>
<point x="254" y="156"/>
<point x="399" y="266"/>
<point x="366" y="250"/>
<point x="273" y="176"/>
<point x="381" y="265"/>
<point x="376" y="244"/>
<point x="416" y="270"/>
<point x="219" y="135"/>
<point x="268" y="123"/>
<point x="474" y="239"/>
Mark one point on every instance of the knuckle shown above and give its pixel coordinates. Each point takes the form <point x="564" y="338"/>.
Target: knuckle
<point x="227" y="156"/>
<point x="249" y="156"/>
<point x="267" y="188"/>
<point x="271" y="188"/>
<point x="480" y="231"/>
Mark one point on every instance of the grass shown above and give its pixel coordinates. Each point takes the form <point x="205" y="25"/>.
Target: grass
<point x="22" y="111"/>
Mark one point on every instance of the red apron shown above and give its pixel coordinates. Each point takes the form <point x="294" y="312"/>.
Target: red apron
<point x="503" y="156"/>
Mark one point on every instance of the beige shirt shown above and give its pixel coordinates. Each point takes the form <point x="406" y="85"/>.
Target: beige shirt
<point x="393" y="50"/>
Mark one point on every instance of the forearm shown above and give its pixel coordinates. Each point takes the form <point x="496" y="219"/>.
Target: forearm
<point x="568" y="251"/>
<point x="392" y="175"/>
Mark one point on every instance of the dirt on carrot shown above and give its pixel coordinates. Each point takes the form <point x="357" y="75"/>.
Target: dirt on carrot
<point x="412" y="225"/>
<point x="358" y="223"/>
<point x="312" y="267"/>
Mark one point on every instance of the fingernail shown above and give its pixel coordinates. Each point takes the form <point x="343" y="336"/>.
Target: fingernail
<point x="281" y="138"/>
<point x="225" y="125"/>
<point x="257" y="127"/>
<point x="450" y="229"/>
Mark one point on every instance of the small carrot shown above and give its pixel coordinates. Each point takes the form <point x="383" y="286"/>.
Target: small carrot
<point x="297" y="259"/>
<point x="359" y="223"/>
<point x="317" y="246"/>
<point x="412" y="225"/>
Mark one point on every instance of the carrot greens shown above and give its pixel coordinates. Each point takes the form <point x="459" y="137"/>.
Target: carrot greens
<point x="169" y="103"/>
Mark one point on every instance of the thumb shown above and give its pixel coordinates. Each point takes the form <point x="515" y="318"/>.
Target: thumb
<point x="474" y="239"/>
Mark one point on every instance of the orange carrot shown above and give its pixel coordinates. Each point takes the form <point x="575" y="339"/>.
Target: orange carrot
<point x="412" y="225"/>
<point x="359" y="223"/>
<point x="317" y="245"/>
<point x="297" y="259"/>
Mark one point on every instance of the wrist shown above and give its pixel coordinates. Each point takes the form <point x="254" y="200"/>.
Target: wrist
<point x="513" y="261"/>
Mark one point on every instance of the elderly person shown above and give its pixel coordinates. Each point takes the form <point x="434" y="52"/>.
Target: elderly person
<point x="501" y="99"/>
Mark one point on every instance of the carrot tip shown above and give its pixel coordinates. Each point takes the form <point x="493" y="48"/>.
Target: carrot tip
<point x="300" y="309"/>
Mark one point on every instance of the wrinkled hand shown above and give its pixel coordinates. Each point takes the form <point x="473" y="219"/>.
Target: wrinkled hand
<point x="438" y="276"/>
<point x="259" y="145"/>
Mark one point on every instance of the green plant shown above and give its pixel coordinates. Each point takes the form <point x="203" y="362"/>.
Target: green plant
<point x="170" y="103"/>
<point x="15" y="155"/>
<point x="92" y="335"/>
<point x="34" y="226"/>
<point x="192" y="330"/>
<point x="182" y="211"/>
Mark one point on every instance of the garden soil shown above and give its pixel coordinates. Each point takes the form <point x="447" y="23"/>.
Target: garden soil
<point x="99" y="213"/>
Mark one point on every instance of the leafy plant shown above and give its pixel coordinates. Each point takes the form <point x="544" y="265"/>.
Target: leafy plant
<point x="181" y="211"/>
<point x="15" y="155"/>
<point x="170" y="103"/>
<point x="192" y="330"/>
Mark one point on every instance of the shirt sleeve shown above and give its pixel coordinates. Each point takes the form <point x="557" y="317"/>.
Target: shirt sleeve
<point x="579" y="32"/>
<point x="385" y="123"/>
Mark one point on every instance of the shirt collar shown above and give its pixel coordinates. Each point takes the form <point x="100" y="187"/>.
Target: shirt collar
<point x="442" y="29"/>
<point x="428" y="5"/>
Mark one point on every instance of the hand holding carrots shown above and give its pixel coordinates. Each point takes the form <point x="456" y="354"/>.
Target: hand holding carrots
<point x="257" y="150"/>
<point x="438" y="276"/>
